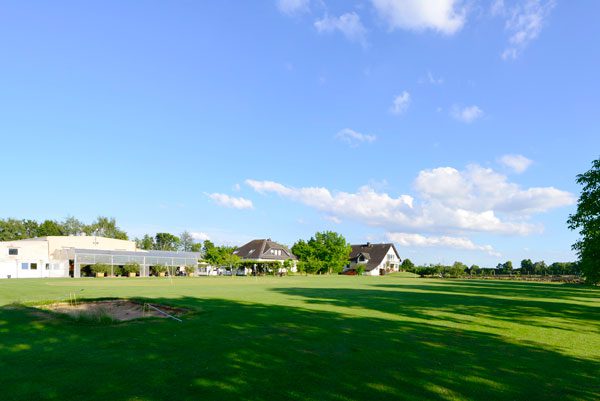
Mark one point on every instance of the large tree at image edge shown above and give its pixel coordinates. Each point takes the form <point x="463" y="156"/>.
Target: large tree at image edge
<point x="587" y="221"/>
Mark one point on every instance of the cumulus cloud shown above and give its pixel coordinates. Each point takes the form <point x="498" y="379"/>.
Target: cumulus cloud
<point x="348" y="24"/>
<point x="417" y="240"/>
<point x="293" y="7"/>
<point x="476" y="199"/>
<point x="200" y="236"/>
<point x="517" y="163"/>
<point x="467" y="114"/>
<point x="444" y="16"/>
<point x="400" y="103"/>
<point x="353" y="138"/>
<point x="231" y="202"/>
<point x="524" y="22"/>
<point x="480" y="190"/>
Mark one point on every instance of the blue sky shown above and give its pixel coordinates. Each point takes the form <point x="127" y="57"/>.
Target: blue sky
<point x="453" y="128"/>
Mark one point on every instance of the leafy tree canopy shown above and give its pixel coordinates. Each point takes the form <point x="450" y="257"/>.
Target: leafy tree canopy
<point x="166" y="242"/>
<point x="586" y="221"/>
<point x="325" y="252"/>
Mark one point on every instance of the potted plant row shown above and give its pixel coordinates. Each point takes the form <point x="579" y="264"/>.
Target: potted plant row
<point x="130" y="269"/>
<point x="100" y="269"/>
<point x="159" y="270"/>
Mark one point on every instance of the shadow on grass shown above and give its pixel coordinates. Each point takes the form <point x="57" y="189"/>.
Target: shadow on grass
<point x="464" y="299"/>
<point x="529" y="289"/>
<point x="238" y="351"/>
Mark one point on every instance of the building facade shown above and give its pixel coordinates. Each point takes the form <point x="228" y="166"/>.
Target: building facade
<point x="64" y="256"/>
<point x="376" y="259"/>
<point x="266" y="250"/>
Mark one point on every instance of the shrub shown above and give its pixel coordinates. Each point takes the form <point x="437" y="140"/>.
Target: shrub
<point x="156" y="269"/>
<point x="190" y="269"/>
<point x="360" y="270"/>
<point x="131" y="268"/>
<point x="100" y="268"/>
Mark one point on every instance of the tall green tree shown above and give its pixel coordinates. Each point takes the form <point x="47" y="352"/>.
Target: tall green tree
<point x="586" y="221"/>
<point x="326" y="252"/>
<point x="211" y="253"/>
<point x="540" y="267"/>
<point x="474" y="269"/>
<point x="31" y="229"/>
<point x="50" y="228"/>
<point x="72" y="226"/>
<point x="106" y="227"/>
<point x="457" y="269"/>
<point x="526" y="266"/>
<point x="407" y="265"/>
<point x="147" y="242"/>
<point x="166" y="242"/>
<point x="12" y="230"/>
<point x="186" y="241"/>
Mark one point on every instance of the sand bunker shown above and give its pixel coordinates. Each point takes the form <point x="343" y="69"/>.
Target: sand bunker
<point x="120" y="310"/>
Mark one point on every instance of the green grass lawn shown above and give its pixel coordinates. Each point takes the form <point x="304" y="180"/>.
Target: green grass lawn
<point x="306" y="338"/>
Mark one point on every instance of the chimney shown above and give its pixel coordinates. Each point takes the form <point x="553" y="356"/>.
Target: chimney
<point x="368" y="244"/>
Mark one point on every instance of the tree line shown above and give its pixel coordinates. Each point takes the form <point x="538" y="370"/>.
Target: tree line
<point x="14" y="229"/>
<point x="527" y="268"/>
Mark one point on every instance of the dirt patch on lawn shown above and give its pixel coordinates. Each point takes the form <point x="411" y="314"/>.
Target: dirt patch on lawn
<point x="119" y="310"/>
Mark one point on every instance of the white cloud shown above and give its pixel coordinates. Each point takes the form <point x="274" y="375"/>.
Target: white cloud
<point x="517" y="163"/>
<point x="293" y="7"/>
<point x="482" y="190"/>
<point x="400" y="103"/>
<point x="467" y="114"/>
<point x="417" y="240"/>
<point x="348" y="24"/>
<point x="445" y="16"/>
<point x="231" y="202"/>
<point x="354" y="138"/>
<point x="200" y="236"/>
<point x="431" y="79"/>
<point x="524" y="22"/>
<point x="476" y="199"/>
<point x="333" y="219"/>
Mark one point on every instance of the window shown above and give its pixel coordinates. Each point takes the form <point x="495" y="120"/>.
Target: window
<point x="33" y="266"/>
<point x="24" y="266"/>
<point x="13" y="251"/>
<point x="47" y="266"/>
<point x="56" y="266"/>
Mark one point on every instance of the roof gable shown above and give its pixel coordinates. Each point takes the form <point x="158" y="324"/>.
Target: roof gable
<point x="261" y="249"/>
<point x="376" y="253"/>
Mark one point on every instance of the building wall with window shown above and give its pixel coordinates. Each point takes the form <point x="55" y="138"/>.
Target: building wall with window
<point x="390" y="263"/>
<point x="29" y="259"/>
<point x="47" y="256"/>
<point x="64" y="256"/>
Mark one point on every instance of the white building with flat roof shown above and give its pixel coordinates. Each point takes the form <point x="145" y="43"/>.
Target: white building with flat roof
<point x="64" y="256"/>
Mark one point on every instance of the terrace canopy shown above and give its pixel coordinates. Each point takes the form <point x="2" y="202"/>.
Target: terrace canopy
<point x="145" y="259"/>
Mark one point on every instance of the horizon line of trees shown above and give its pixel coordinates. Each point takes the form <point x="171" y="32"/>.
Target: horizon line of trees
<point x="528" y="268"/>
